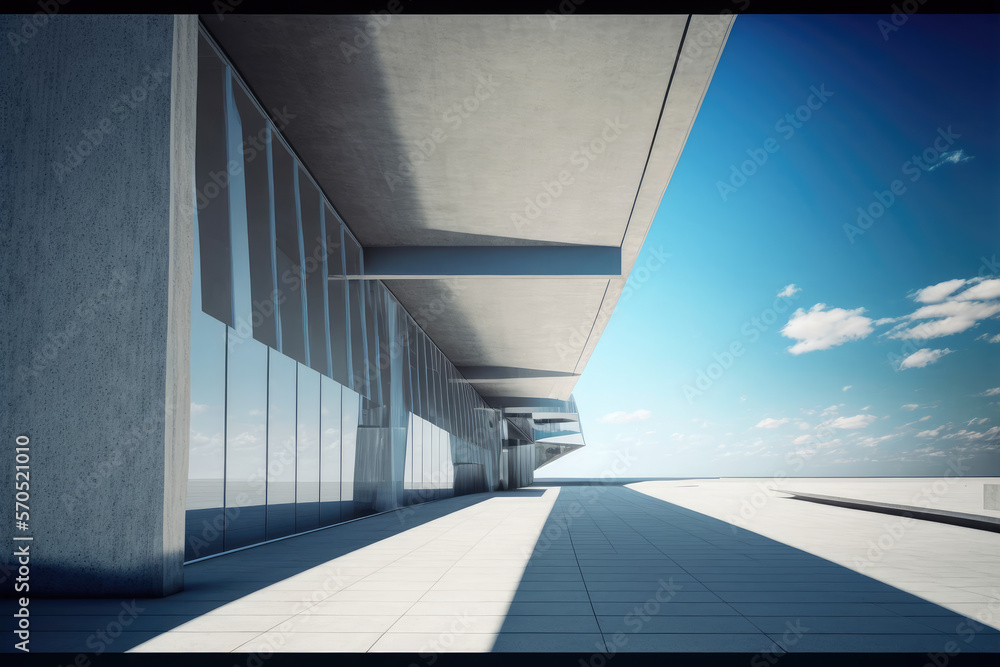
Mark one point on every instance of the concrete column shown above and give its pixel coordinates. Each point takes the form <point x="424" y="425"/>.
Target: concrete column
<point x="98" y="118"/>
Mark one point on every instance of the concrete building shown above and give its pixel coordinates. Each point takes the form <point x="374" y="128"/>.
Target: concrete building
<point x="266" y="274"/>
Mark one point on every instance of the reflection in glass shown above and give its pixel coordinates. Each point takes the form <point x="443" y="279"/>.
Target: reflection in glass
<point x="280" y="446"/>
<point x="429" y="449"/>
<point x="310" y="211"/>
<point x="337" y="293"/>
<point x="286" y="234"/>
<point x="330" y="454"/>
<point x="204" y="519"/>
<point x="238" y="235"/>
<point x="246" y="441"/>
<point x="263" y="278"/>
<point x="351" y="406"/>
<point x="212" y="204"/>
<point x="307" y="452"/>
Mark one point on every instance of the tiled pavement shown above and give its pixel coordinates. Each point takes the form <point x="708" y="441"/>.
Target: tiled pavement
<point x="558" y="568"/>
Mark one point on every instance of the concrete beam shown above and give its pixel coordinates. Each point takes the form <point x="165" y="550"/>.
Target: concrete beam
<point x="430" y="262"/>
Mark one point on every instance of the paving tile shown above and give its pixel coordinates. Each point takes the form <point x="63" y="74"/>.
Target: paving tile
<point x="791" y="609"/>
<point x="433" y="642"/>
<point x="639" y="624"/>
<point x="842" y="625"/>
<point x="864" y="643"/>
<point x="549" y="643"/>
<point x="310" y="642"/>
<point x="195" y="642"/>
<point x="691" y="643"/>
<point x="667" y="609"/>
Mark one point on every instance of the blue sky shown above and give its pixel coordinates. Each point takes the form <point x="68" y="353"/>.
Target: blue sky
<point x="882" y="355"/>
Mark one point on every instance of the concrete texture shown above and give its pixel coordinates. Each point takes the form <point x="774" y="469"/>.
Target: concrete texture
<point x="454" y="131"/>
<point x="549" y="568"/>
<point x="95" y="255"/>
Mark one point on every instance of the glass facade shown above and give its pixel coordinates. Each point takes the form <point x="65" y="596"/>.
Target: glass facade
<point x="315" y="397"/>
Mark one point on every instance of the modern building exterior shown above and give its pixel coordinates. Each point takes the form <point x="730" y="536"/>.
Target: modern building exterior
<point x="266" y="274"/>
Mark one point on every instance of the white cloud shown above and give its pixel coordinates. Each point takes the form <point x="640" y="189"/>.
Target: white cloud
<point x="995" y="391"/>
<point x="789" y="290"/>
<point x="198" y="408"/>
<point x="938" y="292"/>
<point x="804" y="426"/>
<point x="857" y="421"/>
<point x="625" y="417"/>
<point x="981" y="291"/>
<point x="990" y="339"/>
<point x="820" y="329"/>
<point x="945" y="319"/>
<point x="949" y="312"/>
<point x="802" y="439"/>
<point x="923" y="357"/>
<point x="951" y="157"/>
<point x="931" y="434"/>
<point x="767" y="422"/>
<point x="871" y="441"/>
<point x="847" y="387"/>
<point x="910" y="406"/>
<point x="924" y="418"/>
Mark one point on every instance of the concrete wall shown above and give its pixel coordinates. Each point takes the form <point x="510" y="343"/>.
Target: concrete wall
<point x="95" y="279"/>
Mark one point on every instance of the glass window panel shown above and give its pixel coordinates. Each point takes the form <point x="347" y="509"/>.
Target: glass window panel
<point x="427" y="481"/>
<point x="204" y="519"/>
<point x="307" y="451"/>
<point x="408" y="463"/>
<point x="373" y="337"/>
<point x="246" y="441"/>
<point x="425" y="411"/>
<point x="281" y="426"/>
<point x="286" y="236"/>
<point x="417" y="481"/>
<point x="337" y="293"/>
<point x="359" y="351"/>
<point x="351" y="403"/>
<point x="310" y="206"/>
<point x="330" y="455"/>
<point x="211" y="198"/>
<point x="238" y="233"/>
<point x="258" y="211"/>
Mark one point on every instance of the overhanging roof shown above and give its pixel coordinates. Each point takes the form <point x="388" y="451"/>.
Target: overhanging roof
<point x="501" y="171"/>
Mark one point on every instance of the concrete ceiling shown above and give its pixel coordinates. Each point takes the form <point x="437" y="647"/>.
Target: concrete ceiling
<point x="465" y="131"/>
